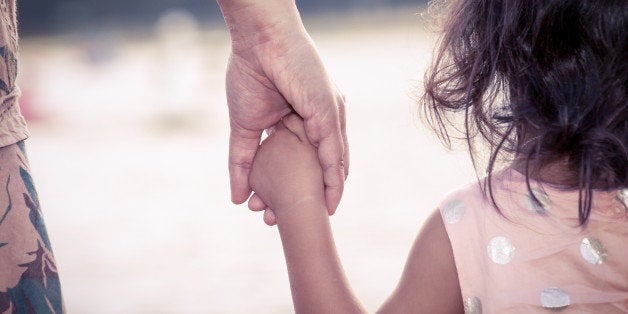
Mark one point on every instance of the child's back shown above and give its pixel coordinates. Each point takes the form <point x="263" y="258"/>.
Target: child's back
<point x="544" y="84"/>
<point x="535" y="255"/>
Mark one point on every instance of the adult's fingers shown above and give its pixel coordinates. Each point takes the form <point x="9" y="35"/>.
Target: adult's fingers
<point x="330" y="153"/>
<point x="325" y="128"/>
<point x="243" y="144"/>
<point x="331" y="157"/>
<point x="294" y="123"/>
<point x="343" y="130"/>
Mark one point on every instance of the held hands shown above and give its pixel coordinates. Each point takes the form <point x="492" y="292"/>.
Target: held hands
<point x="286" y="173"/>
<point x="274" y="69"/>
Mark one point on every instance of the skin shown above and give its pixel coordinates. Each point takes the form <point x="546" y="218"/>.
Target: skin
<point x="274" y="69"/>
<point x="287" y="176"/>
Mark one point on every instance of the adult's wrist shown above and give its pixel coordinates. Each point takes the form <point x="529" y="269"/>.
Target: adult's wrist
<point x="253" y="22"/>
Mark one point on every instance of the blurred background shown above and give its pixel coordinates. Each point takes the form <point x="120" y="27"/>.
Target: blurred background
<point x="126" y="105"/>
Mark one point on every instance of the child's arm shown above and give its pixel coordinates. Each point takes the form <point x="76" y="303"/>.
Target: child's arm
<point x="287" y="176"/>
<point x="429" y="283"/>
<point x="317" y="279"/>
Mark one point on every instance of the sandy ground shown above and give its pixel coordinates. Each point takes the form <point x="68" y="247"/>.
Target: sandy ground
<point x="129" y="154"/>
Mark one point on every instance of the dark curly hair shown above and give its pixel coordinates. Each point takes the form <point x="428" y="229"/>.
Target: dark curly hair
<point x="541" y="82"/>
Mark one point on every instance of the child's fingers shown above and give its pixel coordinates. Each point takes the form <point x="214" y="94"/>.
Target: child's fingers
<point x="269" y="217"/>
<point x="256" y="204"/>
<point x="294" y="123"/>
<point x="270" y="131"/>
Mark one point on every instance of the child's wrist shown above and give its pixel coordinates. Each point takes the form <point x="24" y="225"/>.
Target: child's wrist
<point x="301" y="210"/>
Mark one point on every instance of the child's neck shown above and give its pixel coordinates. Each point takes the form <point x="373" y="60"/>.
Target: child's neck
<point x="556" y="173"/>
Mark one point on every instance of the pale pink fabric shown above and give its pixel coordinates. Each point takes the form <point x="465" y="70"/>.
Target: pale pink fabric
<point x="12" y="124"/>
<point x="533" y="258"/>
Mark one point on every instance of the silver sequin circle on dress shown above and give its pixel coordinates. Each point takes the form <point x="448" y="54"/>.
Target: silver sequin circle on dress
<point x="593" y="251"/>
<point x="453" y="211"/>
<point x="472" y="306"/>
<point x="554" y="298"/>
<point x="543" y="199"/>
<point x="622" y="196"/>
<point x="501" y="250"/>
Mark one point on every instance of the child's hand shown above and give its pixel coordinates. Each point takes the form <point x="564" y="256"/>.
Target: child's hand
<point x="286" y="173"/>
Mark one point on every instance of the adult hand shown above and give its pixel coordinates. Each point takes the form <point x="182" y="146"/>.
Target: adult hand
<point x="274" y="69"/>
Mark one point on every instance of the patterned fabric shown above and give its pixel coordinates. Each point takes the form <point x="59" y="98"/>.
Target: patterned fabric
<point x="12" y="125"/>
<point x="29" y="282"/>
<point x="533" y="256"/>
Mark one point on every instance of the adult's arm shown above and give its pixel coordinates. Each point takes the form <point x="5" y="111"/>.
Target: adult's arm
<point x="274" y="69"/>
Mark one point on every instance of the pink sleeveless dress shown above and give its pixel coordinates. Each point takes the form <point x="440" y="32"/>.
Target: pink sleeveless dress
<point x="533" y="257"/>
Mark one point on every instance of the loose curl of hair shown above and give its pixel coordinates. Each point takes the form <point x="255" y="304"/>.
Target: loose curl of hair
<point x="539" y="81"/>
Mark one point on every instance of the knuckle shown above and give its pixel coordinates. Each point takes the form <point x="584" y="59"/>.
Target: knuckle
<point x="239" y="163"/>
<point x="334" y="174"/>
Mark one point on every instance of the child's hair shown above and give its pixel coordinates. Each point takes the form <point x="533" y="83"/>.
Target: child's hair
<point x="539" y="81"/>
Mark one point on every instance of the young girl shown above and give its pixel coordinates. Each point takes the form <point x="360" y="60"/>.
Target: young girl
<point x="543" y="83"/>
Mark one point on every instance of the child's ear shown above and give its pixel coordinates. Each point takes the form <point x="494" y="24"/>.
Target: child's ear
<point x="294" y="123"/>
